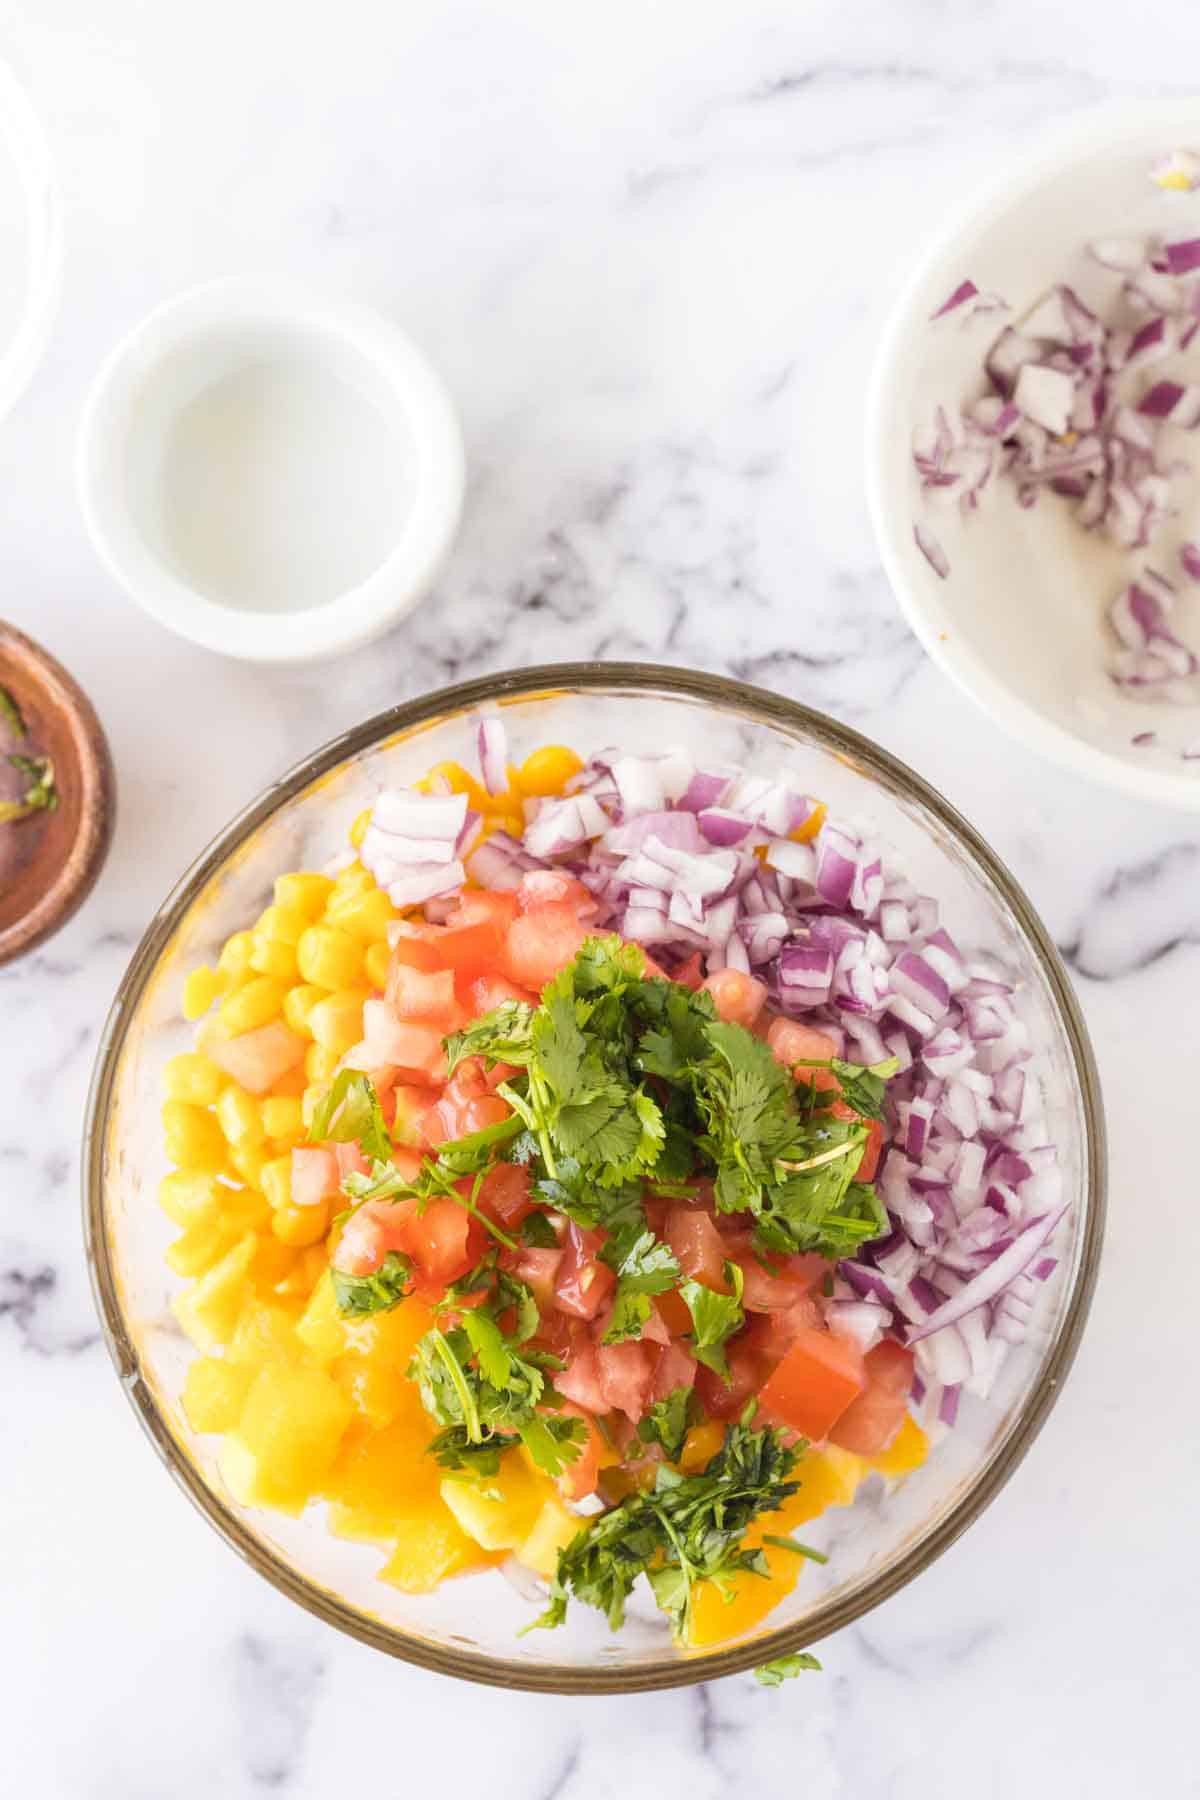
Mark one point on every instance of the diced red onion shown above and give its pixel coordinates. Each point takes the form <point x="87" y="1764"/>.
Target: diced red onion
<point x="931" y="550"/>
<point x="493" y="755"/>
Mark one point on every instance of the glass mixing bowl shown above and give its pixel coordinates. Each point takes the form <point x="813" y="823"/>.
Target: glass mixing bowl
<point x="469" y="1627"/>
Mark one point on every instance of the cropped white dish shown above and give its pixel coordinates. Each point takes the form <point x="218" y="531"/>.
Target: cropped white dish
<point x="273" y="475"/>
<point x="1019" y="623"/>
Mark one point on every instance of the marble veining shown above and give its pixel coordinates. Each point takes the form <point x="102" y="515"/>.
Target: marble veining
<point x="651" y="248"/>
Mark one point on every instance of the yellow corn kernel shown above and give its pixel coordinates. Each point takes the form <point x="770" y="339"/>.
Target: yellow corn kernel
<point x="192" y="1077"/>
<point x="255" y="1003"/>
<point x="337" y="1022"/>
<point x="282" y="924"/>
<point x="234" y="960"/>
<point x="199" y="1247"/>
<point x="283" y="1119"/>
<point x="270" y="957"/>
<point x="239" y="1116"/>
<point x="188" y="1198"/>
<point x="273" y="1263"/>
<point x="547" y="771"/>
<point x="194" y="1140"/>
<point x="311" y="1098"/>
<point x="249" y="1161"/>
<point x="303" y="893"/>
<point x="276" y="1181"/>
<point x="358" y="829"/>
<point x="378" y="959"/>
<point x="298" y="1003"/>
<point x="459" y="781"/>
<point x="320" y="1063"/>
<point x="199" y="991"/>
<point x="329" y="958"/>
<point x="305" y="1272"/>
<point x="300" y="1226"/>
<point x="364" y="916"/>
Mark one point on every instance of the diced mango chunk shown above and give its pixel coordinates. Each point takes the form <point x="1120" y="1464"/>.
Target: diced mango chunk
<point x="718" y="1615"/>
<point x="288" y="1435"/>
<point x="214" y="1393"/>
<point x="208" y="1310"/>
<point x="906" y="1452"/>
<point x="382" y="1478"/>
<point x="430" y="1547"/>
<point x="553" y="1530"/>
<point x="499" y="1511"/>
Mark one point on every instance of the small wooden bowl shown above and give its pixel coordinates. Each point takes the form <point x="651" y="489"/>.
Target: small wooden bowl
<point x="49" y="861"/>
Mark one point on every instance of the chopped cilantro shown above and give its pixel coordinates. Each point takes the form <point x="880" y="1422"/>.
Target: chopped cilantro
<point x="687" y="1529"/>
<point x="715" y="1318"/>
<point x="349" y="1112"/>
<point x="667" y="1423"/>
<point x="785" y="1668"/>
<point x="10" y="712"/>
<point x="359" y="1294"/>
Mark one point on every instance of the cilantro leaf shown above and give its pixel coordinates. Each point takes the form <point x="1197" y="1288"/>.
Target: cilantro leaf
<point x="667" y="1423"/>
<point x="499" y="1036"/>
<point x="538" y="1232"/>
<point x="785" y="1668"/>
<point x="10" y="712"/>
<point x="40" y="796"/>
<point x="687" y="1529"/>
<point x="349" y="1112"/>
<point x="357" y="1295"/>
<point x="644" y="1266"/>
<point x="715" y="1318"/>
<point x="863" y="1089"/>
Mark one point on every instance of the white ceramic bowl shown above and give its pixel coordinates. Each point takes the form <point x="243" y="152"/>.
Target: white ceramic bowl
<point x="1019" y="621"/>
<point x="273" y="475"/>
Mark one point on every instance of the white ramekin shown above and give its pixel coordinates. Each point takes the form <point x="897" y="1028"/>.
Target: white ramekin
<point x="213" y="324"/>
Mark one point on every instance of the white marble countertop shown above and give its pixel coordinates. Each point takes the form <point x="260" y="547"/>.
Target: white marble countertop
<point x="650" y="247"/>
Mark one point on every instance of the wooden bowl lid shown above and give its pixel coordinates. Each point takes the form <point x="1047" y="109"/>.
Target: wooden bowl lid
<point x="49" y="860"/>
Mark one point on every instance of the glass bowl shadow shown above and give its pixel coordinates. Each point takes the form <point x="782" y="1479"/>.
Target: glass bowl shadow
<point x="469" y="1627"/>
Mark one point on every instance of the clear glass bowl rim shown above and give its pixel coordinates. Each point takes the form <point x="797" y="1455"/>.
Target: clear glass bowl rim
<point x="671" y="1670"/>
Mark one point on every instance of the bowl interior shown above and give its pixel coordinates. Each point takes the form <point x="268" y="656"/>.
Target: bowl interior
<point x="1020" y="620"/>
<point x="470" y="1626"/>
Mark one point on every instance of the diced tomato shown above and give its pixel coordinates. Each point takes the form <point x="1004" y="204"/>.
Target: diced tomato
<point x="770" y="1289"/>
<point x="445" y="1242"/>
<point x="414" y="950"/>
<point x="557" y="1331"/>
<point x="471" y="950"/>
<point x="674" y="1312"/>
<point x="410" y="1105"/>
<point x="674" y="1368"/>
<point x="418" y="994"/>
<point x="350" y="1161"/>
<point x="868" y="1168"/>
<point x="580" y="1380"/>
<point x="314" y="1174"/>
<point x="626" y="1371"/>
<point x="504" y="1191"/>
<point x="870" y="1422"/>
<point x="414" y="1049"/>
<point x="738" y="998"/>
<point x="542" y="942"/>
<point x="484" y="906"/>
<point x="691" y="973"/>
<point x="727" y="1399"/>
<point x="370" y="1232"/>
<point x="794" y="1043"/>
<point x="655" y="1330"/>
<point x="579" y="1478"/>
<point x="815" y="1383"/>
<point x="256" y="1059"/>
<point x="584" y="1282"/>
<point x="699" y="1248"/>
<point x="772" y="1334"/>
<point x="554" y="887"/>
<point x="488" y="992"/>
<point x="538" y="1269"/>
